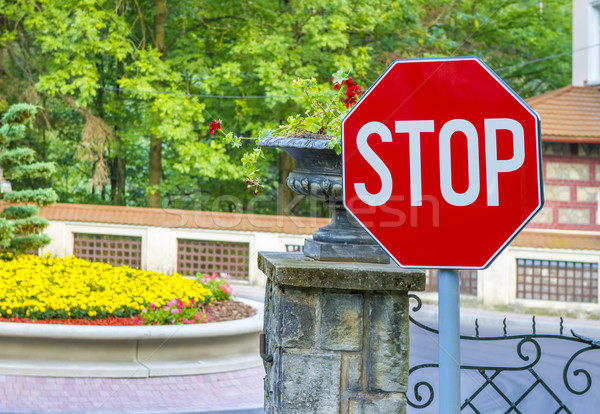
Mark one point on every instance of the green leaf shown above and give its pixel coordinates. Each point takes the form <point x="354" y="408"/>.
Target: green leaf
<point x="338" y="77"/>
<point x="312" y="124"/>
<point x="265" y="133"/>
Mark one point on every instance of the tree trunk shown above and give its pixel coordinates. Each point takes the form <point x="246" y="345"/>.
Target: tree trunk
<point x="155" y="171"/>
<point x="117" y="181"/>
<point x="117" y="166"/>
<point x="159" y="26"/>
<point x="284" y="193"/>
<point x="155" y="164"/>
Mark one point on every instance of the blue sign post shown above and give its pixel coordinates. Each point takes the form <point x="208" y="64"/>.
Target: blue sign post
<point x="449" y="346"/>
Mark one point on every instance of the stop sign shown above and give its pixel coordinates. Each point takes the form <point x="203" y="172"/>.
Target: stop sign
<point x="441" y="163"/>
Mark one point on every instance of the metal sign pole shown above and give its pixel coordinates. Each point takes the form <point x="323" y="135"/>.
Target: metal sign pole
<point x="449" y="346"/>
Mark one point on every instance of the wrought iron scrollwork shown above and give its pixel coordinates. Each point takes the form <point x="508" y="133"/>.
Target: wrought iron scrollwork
<point x="424" y="392"/>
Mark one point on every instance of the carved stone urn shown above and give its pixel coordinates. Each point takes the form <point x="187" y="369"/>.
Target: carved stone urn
<point x="318" y="173"/>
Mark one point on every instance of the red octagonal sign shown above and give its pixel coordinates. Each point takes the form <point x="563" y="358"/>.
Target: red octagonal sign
<point x="441" y="163"/>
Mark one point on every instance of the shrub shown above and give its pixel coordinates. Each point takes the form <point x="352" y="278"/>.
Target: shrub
<point x="217" y="284"/>
<point x="175" y="312"/>
<point x="60" y="288"/>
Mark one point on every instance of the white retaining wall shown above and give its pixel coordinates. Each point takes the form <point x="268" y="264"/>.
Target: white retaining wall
<point x="159" y="244"/>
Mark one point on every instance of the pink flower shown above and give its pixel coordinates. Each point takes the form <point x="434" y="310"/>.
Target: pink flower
<point x="144" y="310"/>
<point x="152" y="306"/>
<point x="174" y="311"/>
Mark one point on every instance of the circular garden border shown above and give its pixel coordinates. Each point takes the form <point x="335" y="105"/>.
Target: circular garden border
<point x="130" y="351"/>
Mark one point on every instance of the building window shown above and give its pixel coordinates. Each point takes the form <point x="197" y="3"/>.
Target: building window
<point x="207" y="256"/>
<point x="468" y="281"/>
<point x="557" y="280"/>
<point x="108" y="248"/>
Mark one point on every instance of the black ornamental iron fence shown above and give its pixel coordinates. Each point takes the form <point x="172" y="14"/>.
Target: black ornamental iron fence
<point x="521" y="385"/>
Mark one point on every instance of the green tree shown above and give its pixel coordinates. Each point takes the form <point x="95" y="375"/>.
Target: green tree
<point x="131" y="85"/>
<point x="106" y="63"/>
<point x="527" y="42"/>
<point x="20" y="228"/>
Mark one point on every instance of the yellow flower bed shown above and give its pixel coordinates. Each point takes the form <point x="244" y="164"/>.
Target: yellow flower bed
<point x="45" y="287"/>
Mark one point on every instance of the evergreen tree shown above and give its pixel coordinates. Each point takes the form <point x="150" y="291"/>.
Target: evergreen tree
<point x="20" y="228"/>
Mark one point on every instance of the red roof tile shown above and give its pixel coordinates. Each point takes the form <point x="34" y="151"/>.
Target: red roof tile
<point x="557" y="240"/>
<point x="187" y="219"/>
<point x="570" y="114"/>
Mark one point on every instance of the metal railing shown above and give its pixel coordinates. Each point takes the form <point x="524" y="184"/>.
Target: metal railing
<point x="528" y="349"/>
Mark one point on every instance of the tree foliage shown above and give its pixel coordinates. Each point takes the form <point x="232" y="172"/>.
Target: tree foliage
<point x="130" y="86"/>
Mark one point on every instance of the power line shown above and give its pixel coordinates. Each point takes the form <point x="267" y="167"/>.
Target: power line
<point x="547" y="57"/>
<point x="208" y="96"/>
<point x="155" y="92"/>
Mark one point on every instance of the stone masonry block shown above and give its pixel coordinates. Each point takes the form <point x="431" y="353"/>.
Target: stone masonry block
<point x="298" y="316"/>
<point x="295" y="269"/>
<point x="393" y="404"/>
<point x="587" y="194"/>
<point x="341" y="322"/>
<point x="557" y="192"/>
<point x="544" y="216"/>
<point x="388" y="343"/>
<point x="352" y="370"/>
<point x="272" y="384"/>
<point x="567" y="171"/>
<point x="271" y="319"/>
<point x="310" y="383"/>
<point x="573" y="216"/>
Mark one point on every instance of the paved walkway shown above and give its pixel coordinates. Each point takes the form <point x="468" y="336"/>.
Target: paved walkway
<point x="239" y="392"/>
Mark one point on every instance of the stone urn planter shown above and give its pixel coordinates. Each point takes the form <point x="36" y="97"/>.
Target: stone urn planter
<point x="318" y="173"/>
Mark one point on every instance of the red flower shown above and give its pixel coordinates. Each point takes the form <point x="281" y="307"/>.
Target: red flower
<point x="213" y="126"/>
<point x="352" y="91"/>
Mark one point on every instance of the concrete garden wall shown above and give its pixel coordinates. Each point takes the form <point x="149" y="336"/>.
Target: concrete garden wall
<point x="130" y="351"/>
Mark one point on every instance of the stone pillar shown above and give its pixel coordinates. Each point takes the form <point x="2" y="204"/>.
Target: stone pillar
<point x="336" y="335"/>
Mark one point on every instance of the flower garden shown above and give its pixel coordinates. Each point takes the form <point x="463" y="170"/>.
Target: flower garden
<point x="41" y="289"/>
